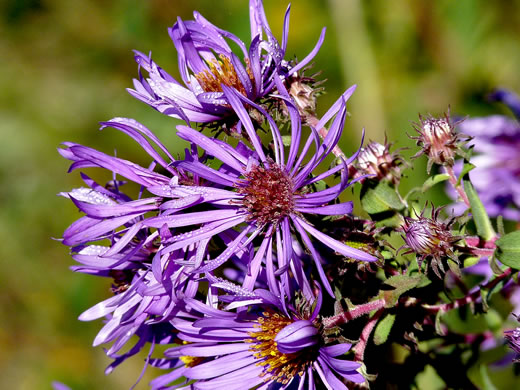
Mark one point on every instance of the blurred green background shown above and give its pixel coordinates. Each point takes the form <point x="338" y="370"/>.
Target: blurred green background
<point x="66" y="66"/>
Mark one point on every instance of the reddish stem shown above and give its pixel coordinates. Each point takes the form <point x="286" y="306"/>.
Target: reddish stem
<point x="473" y="297"/>
<point x="360" y="347"/>
<point x="313" y="121"/>
<point x="456" y="186"/>
<point x="358" y="311"/>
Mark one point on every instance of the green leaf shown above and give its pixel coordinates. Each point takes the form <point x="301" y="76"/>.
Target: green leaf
<point x="286" y="140"/>
<point x="463" y="321"/>
<point x="431" y="181"/>
<point x="493" y="264"/>
<point x="465" y="170"/>
<point x="500" y="226"/>
<point x="380" y="198"/>
<point x="394" y="221"/>
<point x="402" y="284"/>
<point x="469" y="261"/>
<point x="486" y="381"/>
<point x="454" y="267"/>
<point x="383" y="329"/>
<point x="508" y="249"/>
<point x="484" y="227"/>
<point x="438" y="328"/>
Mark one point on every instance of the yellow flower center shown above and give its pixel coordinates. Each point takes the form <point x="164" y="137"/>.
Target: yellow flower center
<point x="280" y="367"/>
<point x="222" y="72"/>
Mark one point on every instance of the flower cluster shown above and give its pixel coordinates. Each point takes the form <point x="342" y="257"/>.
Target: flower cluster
<point x="243" y="258"/>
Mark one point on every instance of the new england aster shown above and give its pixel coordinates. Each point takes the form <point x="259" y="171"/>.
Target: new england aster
<point x="271" y="346"/>
<point x="263" y="195"/>
<point x="207" y="63"/>
<point x="254" y="202"/>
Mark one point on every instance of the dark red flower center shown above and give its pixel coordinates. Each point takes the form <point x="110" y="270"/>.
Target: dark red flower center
<point x="268" y="194"/>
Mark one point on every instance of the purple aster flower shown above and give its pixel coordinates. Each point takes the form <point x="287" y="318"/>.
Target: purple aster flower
<point x="207" y="63"/>
<point x="270" y="346"/>
<point x="496" y="177"/>
<point x="265" y="196"/>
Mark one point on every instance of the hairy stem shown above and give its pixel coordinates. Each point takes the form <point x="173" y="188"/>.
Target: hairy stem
<point x="473" y="297"/>
<point x="313" y="121"/>
<point x="456" y="186"/>
<point x="358" y="311"/>
<point x="360" y="347"/>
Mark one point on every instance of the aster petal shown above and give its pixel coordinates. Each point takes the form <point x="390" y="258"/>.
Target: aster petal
<point x="208" y="310"/>
<point x="234" y="100"/>
<point x="315" y="255"/>
<point x="115" y="210"/>
<point x="296" y="336"/>
<point x="101" y="309"/>
<point x="228" y="252"/>
<point x="335" y="209"/>
<point x="336" y="106"/>
<point x="277" y="137"/>
<point x="188" y="219"/>
<point x="334" y="244"/>
<point x="220" y="366"/>
<point x="255" y="263"/>
<point x="75" y="236"/>
<point x="206" y="172"/>
<point x="210" y="146"/>
<point x="133" y="129"/>
<point x="295" y="123"/>
<point x="204" y="232"/>
<point x="122" y="167"/>
<point x="203" y="21"/>
<point x="336" y="350"/>
<point x="330" y="378"/>
<point x="234" y="380"/>
<point x="285" y="29"/>
<point x="308" y="58"/>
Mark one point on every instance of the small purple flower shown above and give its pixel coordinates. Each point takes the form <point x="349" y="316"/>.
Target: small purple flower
<point x="207" y="63"/>
<point x="264" y="196"/>
<point x="266" y="347"/>
<point x="496" y="177"/>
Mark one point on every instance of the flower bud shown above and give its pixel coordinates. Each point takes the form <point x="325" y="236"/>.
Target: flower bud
<point x="376" y="160"/>
<point x="429" y="238"/>
<point x="296" y="336"/>
<point x="437" y="139"/>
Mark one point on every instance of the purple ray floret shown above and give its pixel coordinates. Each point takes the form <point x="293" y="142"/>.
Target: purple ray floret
<point x="265" y="348"/>
<point x="207" y="64"/>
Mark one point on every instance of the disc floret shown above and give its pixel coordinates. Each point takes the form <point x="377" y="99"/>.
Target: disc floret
<point x="268" y="194"/>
